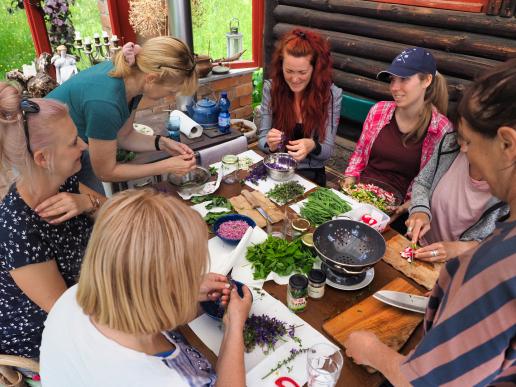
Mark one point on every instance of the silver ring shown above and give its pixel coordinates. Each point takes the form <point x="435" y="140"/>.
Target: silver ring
<point x="435" y="253"/>
<point x="409" y="229"/>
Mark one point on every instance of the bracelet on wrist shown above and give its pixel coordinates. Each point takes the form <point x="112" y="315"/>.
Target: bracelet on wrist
<point x="95" y="204"/>
<point x="156" y="142"/>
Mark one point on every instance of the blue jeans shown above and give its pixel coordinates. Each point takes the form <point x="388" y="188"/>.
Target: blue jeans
<point x="87" y="176"/>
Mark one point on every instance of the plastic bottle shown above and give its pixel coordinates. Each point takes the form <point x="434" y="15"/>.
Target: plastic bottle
<point x="224" y="116"/>
<point x="173" y="126"/>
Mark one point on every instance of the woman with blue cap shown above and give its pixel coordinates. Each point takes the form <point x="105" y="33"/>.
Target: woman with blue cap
<point x="398" y="137"/>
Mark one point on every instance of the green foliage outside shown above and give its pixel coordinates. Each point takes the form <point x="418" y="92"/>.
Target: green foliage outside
<point x="210" y="19"/>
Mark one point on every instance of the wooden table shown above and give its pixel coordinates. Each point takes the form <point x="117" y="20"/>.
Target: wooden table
<point x="334" y="301"/>
<point x="157" y="122"/>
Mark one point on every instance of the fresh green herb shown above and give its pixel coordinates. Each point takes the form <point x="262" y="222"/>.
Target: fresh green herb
<point x="323" y="205"/>
<point x="213" y="171"/>
<point x="219" y="202"/>
<point x="279" y="256"/>
<point x="211" y="217"/>
<point x="201" y="199"/>
<point x="285" y="192"/>
<point x="293" y="354"/>
<point x="124" y="156"/>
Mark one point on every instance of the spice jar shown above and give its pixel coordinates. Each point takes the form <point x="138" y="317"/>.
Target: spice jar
<point x="297" y="292"/>
<point x="316" y="283"/>
<point x="229" y="168"/>
<point x="299" y="227"/>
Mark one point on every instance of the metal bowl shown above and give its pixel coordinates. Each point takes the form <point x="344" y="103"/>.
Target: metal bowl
<point x="347" y="246"/>
<point x="193" y="179"/>
<point x="280" y="166"/>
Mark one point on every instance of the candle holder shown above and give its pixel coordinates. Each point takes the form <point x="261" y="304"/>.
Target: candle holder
<point x="99" y="50"/>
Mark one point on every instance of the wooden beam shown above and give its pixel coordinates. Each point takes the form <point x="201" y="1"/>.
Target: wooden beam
<point x="268" y="36"/>
<point x="462" y="66"/>
<point x="453" y="20"/>
<point x="465" y="42"/>
<point x="362" y="86"/>
<point x="37" y="27"/>
<point x="466" y="6"/>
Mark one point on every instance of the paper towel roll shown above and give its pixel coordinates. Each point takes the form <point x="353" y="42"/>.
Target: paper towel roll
<point x="189" y="127"/>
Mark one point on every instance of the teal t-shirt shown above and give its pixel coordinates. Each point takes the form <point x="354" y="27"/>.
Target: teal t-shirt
<point x="96" y="101"/>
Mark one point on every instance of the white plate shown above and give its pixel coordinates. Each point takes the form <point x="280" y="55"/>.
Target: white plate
<point x="143" y="129"/>
<point x="266" y="185"/>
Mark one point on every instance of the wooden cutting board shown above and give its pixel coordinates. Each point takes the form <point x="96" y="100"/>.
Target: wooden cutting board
<point x="393" y="326"/>
<point x="242" y="206"/>
<point x="423" y="273"/>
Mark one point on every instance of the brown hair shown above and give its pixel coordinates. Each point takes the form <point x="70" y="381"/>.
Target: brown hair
<point x="490" y="102"/>
<point x="14" y="155"/>
<point x="436" y="95"/>
<point x="166" y="56"/>
<point x="144" y="263"/>
<point x="317" y="95"/>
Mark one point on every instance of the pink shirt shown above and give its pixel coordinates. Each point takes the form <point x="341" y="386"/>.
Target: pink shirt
<point x="377" y="118"/>
<point x="457" y="203"/>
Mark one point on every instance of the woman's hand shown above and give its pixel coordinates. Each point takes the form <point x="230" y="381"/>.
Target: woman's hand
<point x="181" y="165"/>
<point x="400" y="211"/>
<point x="238" y="308"/>
<point x="213" y="287"/>
<point x="174" y="147"/>
<point x="443" y="251"/>
<point x="299" y="149"/>
<point x="418" y="225"/>
<point x="274" y="139"/>
<point x="360" y="344"/>
<point x="63" y="206"/>
<point x="348" y="181"/>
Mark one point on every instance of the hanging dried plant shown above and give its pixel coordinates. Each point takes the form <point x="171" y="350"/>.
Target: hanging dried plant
<point x="148" y="17"/>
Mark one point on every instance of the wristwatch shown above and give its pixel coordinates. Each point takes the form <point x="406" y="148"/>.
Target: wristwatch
<point x="156" y="142"/>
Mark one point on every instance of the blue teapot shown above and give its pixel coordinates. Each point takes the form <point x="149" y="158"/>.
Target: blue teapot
<point x="205" y="112"/>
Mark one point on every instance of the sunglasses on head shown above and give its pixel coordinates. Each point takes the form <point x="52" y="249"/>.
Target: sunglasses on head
<point x="28" y="106"/>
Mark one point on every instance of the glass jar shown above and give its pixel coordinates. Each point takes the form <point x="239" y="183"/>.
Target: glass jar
<point x="316" y="283"/>
<point x="299" y="227"/>
<point x="229" y="169"/>
<point x="297" y="293"/>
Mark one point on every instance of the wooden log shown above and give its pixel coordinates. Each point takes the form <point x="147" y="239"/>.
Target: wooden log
<point x="362" y="86"/>
<point x="493" y="7"/>
<point x="465" y="6"/>
<point x="462" y="66"/>
<point x="453" y="20"/>
<point x="370" y="68"/>
<point x="268" y="35"/>
<point x="465" y="42"/>
<point x="507" y="9"/>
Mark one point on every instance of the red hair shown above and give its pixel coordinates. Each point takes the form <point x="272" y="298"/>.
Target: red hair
<point x="316" y="96"/>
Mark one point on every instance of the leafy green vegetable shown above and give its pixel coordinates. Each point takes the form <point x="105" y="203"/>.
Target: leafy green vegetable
<point x="213" y="171"/>
<point x="279" y="256"/>
<point x="211" y="217"/>
<point x="323" y="205"/>
<point x="219" y="201"/>
<point x="124" y="156"/>
<point x="201" y="199"/>
<point x="285" y="192"/>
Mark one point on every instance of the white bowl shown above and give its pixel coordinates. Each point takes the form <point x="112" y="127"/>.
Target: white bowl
<point x="249" y="124"/>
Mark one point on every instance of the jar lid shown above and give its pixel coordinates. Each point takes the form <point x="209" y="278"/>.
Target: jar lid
<point x="308" y="239"/>
<point x="317" y="276"/>
<point x="300" y="224"/>
<point x="230" y="159"/>
<point x="298" y="281"/>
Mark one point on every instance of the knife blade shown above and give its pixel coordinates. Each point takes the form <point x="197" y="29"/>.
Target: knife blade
<point x="402" y="300"/>
<point x="256" y="205"/>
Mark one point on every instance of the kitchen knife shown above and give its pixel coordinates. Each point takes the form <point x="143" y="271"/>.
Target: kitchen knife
<point x="402" y="300"/>
<point x="256" y="205"/>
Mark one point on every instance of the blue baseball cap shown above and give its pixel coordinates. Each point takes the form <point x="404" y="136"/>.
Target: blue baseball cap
<point x="411" y="61"/>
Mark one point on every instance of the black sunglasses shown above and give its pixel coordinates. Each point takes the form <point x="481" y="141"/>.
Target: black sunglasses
<point x="28" y="106"/>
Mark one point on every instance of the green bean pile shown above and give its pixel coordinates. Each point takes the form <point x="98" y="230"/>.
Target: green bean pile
<point x="323" y="205"/>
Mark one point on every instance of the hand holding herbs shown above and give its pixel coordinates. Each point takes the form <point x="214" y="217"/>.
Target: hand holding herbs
<point x="323" y="205"/>
<point x="279" y="256"/>
<point x="284" y="192"/>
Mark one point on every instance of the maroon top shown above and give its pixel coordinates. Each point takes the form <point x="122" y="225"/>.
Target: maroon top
<point x="392" y="162"/>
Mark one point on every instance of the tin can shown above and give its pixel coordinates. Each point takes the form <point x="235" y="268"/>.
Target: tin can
<point x="316" y="283"/>
<point x="297" y="293"/>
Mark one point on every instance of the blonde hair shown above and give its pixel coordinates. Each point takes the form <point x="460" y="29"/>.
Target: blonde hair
<point x="166" y="56"/>
<point x="144" y="263"/>
<point x="15" y="160"/>
<point x="436" y="95"/>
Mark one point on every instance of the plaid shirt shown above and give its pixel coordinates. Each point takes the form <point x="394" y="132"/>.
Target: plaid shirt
<point x="379" y="116"/>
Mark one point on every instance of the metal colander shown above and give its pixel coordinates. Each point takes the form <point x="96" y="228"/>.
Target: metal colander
<point x="348" y="246"/>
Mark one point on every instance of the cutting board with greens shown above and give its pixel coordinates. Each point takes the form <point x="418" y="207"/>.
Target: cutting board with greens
<point x="393" y="326"/>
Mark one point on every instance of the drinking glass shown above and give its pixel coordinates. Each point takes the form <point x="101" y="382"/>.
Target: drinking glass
<point x="324" y="363"/>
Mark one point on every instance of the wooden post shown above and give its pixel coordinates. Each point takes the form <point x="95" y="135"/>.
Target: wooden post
<point x="37" y="26"/>
<point x="119" y="18"/>
<point x="268" y="36"/>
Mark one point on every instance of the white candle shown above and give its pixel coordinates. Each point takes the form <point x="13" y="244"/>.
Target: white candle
<point x="95" y="36"/>
<point x="77" y="35"/>
<point x="87" y="40"/>
<point x="104" y="34"/>
<point x="114" y="37"/>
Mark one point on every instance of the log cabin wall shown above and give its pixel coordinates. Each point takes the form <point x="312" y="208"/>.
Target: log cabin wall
<point x="365" y="36"/>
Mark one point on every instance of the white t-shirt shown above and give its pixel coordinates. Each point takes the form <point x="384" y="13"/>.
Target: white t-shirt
<point x="74" y="353"/>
